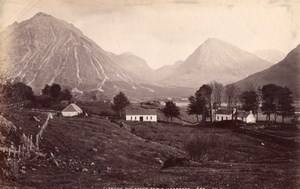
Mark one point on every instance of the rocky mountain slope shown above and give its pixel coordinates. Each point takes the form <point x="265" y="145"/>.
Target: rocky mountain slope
<point x="135" y="66"/>
<point x="215" y="60"/>
<point x="285" y="73"/>
<point x="45" y="50"/>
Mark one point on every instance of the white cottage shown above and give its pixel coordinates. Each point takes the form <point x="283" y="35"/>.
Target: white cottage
<point x="71" y="110"/>
<point x="144" y="115"/>
<point x="247" y="117"/>
<point x="222" y="115"/>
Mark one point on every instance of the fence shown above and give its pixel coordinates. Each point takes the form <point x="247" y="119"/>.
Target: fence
<point x="23" y="151"/>
<point x="40" y="133"/>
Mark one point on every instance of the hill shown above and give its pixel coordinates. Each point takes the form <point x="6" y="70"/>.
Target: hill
<point x="93" y="152"/>
<point x="285" y="73"/>
<point x="215" y="60"/>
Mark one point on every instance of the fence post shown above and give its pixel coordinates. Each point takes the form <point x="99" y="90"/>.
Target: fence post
<point x="37" y="140"/>
<point x="30" y="146"/>
<point x="19" y="151"/>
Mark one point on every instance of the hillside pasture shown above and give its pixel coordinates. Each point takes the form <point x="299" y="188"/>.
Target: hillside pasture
<point x="93" y="152"/>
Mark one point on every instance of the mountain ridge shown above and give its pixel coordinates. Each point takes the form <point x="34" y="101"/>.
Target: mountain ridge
<point x="215" y="60"/>
<point x="284" y="73"/>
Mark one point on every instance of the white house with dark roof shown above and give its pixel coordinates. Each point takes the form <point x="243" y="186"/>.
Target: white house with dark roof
<point x="71" y="110"/>
<point x="222" y="115"/>
<point x="143" y="115"/>
<point x="247" y="117"/>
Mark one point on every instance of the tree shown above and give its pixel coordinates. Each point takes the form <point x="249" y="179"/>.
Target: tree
<point x="232" y="95"/>
<point x="55" y="90"/>
<point x="200" y="104"/>
<point x="46" y="90"/>
<point x="206" y="91"/>
<point x="120" y="102"/>
<point x="171" y="110"/>
<point x="17" y="92"/>
<point x="269" y="95"/>
<point x="195" y="106"/>
<point x="217" y="89"/>
<point x="285" y="103"/>
<point x="65" y="95"/>
<point x="249" y="100"/>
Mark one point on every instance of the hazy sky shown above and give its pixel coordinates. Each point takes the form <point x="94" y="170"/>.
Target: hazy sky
<point x="164" y="31"/>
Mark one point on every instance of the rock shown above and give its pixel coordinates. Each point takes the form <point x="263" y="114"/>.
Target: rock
<point x="56" y="149"/>
<point x="22" y="171"/>
<point x="92" y="163"/>
<point x="84" y="170"/>
<point x="174" y="161"/>
<point x="34" y="169"/>
<point x="158" y="160"/>
<point x="95" y="149"/>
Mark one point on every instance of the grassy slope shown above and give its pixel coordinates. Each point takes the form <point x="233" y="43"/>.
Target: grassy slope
<point x="124" y="159"/>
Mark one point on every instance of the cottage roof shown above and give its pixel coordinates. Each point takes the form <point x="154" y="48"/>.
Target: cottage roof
<point x="72" y="108"/>
<point x="141" y="112"/>
<point x="243" y="114"/>
<point x="224" y="112"/>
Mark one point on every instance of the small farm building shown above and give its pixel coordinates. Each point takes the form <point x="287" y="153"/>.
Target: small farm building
<point x="247" y="117"/>
<point x="71" y="110"/>
<point x="222" y="115"/>
<point x="144" y="115"/>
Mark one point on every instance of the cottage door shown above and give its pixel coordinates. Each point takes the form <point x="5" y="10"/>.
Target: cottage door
<point x="141" y="118"/>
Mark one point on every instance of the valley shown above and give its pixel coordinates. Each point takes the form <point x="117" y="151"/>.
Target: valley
<point x="76" y="115"/>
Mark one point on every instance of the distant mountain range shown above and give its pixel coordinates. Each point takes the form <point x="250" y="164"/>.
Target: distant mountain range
<point x="285" y="73"/>
<point x="45" y="50"/>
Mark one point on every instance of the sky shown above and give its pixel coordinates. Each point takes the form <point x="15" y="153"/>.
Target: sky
<point x="165" y="31"/>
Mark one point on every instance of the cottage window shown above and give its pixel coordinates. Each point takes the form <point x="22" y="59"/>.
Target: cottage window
<point x="150" y="117"/>
<point x="217" y="117"/>
<point x="147" y="118"/>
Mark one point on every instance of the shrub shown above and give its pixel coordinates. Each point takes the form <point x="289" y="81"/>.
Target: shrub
<point x="205" y="146"/>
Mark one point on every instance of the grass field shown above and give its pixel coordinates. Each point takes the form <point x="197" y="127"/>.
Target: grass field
<point x="93" y="152"/>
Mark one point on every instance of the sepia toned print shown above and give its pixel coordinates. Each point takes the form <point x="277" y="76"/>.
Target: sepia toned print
<point x="149" y="94"/>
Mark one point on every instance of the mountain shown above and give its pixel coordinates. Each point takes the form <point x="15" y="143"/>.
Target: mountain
<point x="134" y="65"/>
<point x="215" y="60"/>
<point x="164" y="71"/>
<point x="285" y="73"/>
<point x="44" y="50"/>
<point x="270" y="55"/>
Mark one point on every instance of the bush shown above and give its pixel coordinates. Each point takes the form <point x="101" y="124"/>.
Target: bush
<point x="205" y="146"/>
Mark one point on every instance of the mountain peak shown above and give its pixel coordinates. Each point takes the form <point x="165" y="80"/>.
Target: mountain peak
<point x="39" y="14"/>
<point x="214" y="42"/>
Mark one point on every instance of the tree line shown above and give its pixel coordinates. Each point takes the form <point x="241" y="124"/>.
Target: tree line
<point x="15" y="92"/>
<point x="271" y="98"/>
